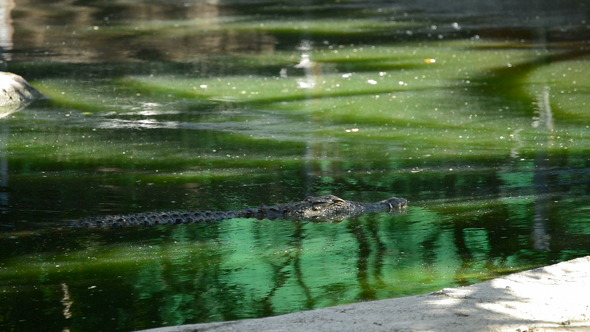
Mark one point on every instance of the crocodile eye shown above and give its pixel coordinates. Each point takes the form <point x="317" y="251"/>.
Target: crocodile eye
<point x="337" y="201"/>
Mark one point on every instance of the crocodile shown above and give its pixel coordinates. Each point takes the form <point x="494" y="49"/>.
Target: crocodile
<point x="328" y="208"/>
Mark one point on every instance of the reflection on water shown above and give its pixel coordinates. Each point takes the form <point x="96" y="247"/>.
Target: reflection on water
<point x="475" y="114"/>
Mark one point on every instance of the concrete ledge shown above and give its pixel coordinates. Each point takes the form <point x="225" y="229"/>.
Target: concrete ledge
<point x="551" y="298"/>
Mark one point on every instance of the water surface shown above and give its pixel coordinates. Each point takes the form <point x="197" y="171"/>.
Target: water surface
<point x="478" y="115"/>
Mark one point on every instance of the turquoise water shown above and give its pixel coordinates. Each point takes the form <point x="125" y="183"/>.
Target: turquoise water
<point x="477" y="115"/>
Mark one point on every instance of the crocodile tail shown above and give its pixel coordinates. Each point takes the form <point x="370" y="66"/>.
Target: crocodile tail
<point x="155" y="218"/>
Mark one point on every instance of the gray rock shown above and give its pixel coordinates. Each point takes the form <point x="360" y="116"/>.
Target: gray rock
<point x="15" y="93"/>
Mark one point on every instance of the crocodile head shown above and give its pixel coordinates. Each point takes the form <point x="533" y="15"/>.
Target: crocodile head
<point x="333" y="208"/>
<point x="395" y="204"/>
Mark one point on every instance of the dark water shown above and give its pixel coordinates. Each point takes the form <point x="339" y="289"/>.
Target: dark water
<point x="477" y="114"/>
